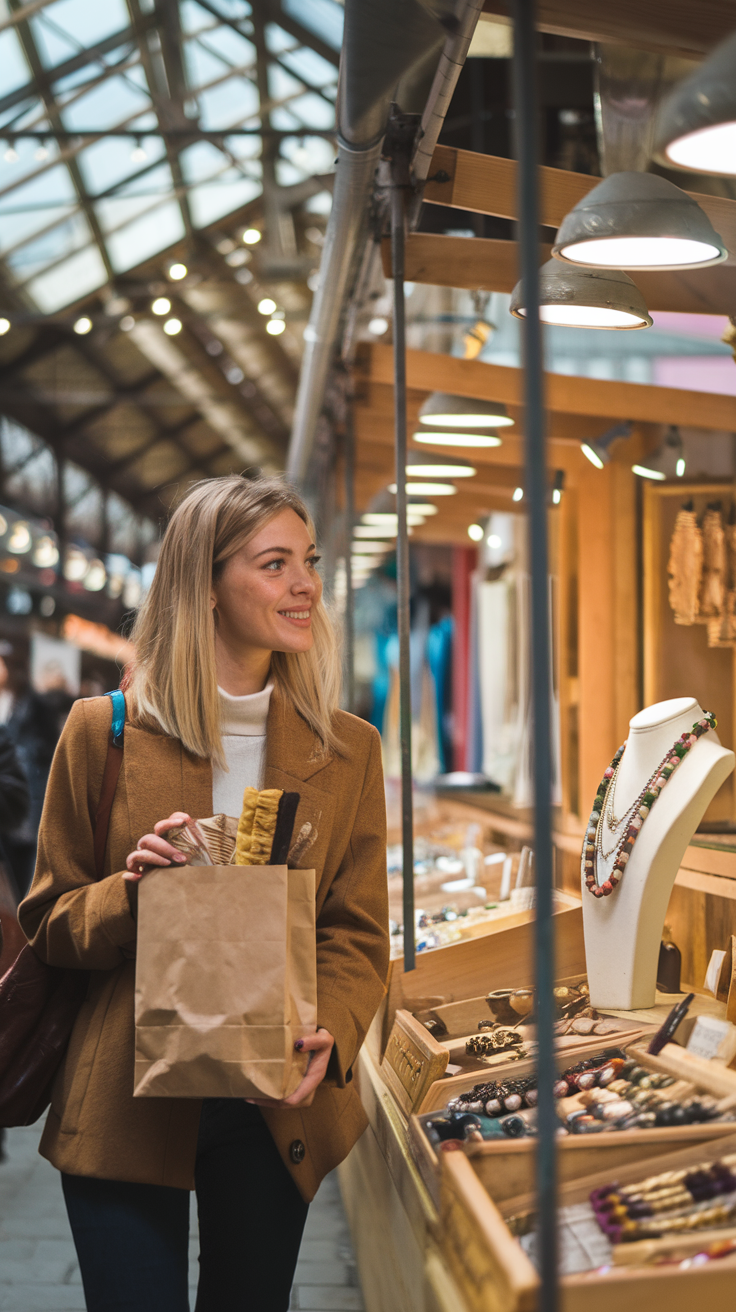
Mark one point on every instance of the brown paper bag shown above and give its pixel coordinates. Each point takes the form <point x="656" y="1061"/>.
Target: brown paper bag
<point x="226" y="981"/>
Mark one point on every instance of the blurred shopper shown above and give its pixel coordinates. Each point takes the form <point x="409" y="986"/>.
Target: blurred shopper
<point x="34" y="718"/>
<point x="237" y="678"/>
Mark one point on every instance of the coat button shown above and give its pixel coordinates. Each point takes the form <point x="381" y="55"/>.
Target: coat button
<point x="297" y="1152"/>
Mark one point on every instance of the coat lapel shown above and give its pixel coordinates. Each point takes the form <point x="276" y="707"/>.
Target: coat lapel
<point x="160" y="778"/>
<point x="294" y="757"/>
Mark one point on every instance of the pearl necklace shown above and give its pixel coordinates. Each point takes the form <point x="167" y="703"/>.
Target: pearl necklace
<point x="636" y="814"/>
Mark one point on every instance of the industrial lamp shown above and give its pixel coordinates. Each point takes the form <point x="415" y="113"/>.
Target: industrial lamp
<point x="638" y="220"/>
<point x="696" y="125"/>
<point x="585" y="298"/>
<point x="419" y="465"/>
<point x="444" y="410"/>
<point x="596" y="450"/>
<point x="668" y="461"/>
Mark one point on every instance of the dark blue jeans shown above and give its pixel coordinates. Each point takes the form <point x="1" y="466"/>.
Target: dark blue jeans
<point x="132" y="1239"/>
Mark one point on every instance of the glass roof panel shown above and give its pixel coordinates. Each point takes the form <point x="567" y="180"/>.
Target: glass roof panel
<point x="229" y="104"/>
<point x="125" y="206"/>
<point x="56" y="244"/>
<point x="307" y="63"/>
<point x="75" y="277"/>
<point x="12" y="62"/>
<point x="106" y="106"/>
<point x="211" y="200"/>
<point x="107" y="163"/>
<point x="35" y="205"/>
<point x="234" y="49"/>
<point x="53" y="44"/>
<point x="203" y="67"/>
<point x="145" y="236"/>
<point x="86" y="21"/>
<point x="323" y="17"/>
<point x="313" y="111"/>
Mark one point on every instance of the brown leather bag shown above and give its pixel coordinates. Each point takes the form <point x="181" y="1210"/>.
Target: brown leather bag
<point x="39" y="1003"/>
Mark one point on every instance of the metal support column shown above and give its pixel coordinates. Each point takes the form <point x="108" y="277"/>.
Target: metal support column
<point x="397" y="148"/>
<point x="349" y="630"/>
<point x="526" y="119"/>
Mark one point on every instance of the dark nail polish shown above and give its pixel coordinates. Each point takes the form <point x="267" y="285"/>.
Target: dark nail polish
<point x="299" y="1044"/>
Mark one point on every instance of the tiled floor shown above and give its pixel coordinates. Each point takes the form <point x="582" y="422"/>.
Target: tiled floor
<point x="38" y="1265"/>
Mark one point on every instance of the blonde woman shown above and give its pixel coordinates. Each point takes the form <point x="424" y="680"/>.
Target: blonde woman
<point x="235" y="683"/>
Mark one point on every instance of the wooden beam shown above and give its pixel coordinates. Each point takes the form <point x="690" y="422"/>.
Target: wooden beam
<point x="483" y="264"/>
<point x="486" y="184"/>
<point x="675" y="27"/>
<point x="430" y="371"/>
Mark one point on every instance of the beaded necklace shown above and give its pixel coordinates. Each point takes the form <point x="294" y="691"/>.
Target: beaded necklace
<point x="636" y="814"/>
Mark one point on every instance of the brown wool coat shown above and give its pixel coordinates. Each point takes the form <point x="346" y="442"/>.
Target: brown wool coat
<point x="95" y="1127"/>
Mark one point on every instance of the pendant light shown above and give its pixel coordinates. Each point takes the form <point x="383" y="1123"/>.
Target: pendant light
<point x="696" y="125"/>
<point x="668" y="461"/>
<point x="419" y="465"/>
<point x="444" y="410"/>
<point x="638" y="220"/>
<point x="459" y="438"/>
<point x="585" y="298"/>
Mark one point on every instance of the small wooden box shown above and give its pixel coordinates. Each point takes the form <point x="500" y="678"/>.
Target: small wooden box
<point x="413" y="1061"/>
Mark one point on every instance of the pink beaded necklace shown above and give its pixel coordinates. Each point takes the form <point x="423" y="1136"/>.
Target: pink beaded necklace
<point x="637" y="813"/>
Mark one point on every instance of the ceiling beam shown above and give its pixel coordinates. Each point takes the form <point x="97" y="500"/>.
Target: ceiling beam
<point x="676" y="27"/>
<point x="487" y="184"/>
<point x="485" y="264"/>
<point x="302" y="34"/>
<point x="588" y="396"/>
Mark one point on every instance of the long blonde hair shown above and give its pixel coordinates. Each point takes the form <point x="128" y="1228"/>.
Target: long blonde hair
<point x="173" y="683"/>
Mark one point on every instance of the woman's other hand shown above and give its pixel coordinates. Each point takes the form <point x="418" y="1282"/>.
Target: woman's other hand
<point x="319" y="1046"/>
<point x="153" y="849"/>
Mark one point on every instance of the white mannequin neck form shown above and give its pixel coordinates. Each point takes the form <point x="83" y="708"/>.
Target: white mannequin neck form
<point x="623" y="931"/>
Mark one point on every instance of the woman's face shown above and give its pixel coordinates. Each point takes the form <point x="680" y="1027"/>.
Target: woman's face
<point x="266" y="593"/>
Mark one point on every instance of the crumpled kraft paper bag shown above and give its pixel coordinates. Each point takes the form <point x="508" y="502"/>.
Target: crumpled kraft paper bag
<point x="226" y="981"/>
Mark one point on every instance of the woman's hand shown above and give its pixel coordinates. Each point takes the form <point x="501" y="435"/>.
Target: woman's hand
<point x="153" y="850"/>
<point x="319" y="1046"/>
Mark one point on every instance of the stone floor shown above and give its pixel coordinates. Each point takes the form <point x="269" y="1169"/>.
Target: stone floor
<point x="38" y="1265"/>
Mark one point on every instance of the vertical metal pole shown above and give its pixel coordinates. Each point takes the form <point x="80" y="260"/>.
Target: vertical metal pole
<point x="349" y="525"/>
<point x="526" y="119"/>
<point x="399" y="183"/>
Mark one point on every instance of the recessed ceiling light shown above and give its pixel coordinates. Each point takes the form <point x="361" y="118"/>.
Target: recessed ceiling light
<point x="161" y="305"/>
<point x="4" y="327"/>
<point x="83" y="325"/>
<point x="172" y="327"/>
<point x="275" y="327"/>
<point x="251" y="236"/>
<point x="177" y="272"/>
<point x="266" y="305"/>
<point x="475" y="532"/>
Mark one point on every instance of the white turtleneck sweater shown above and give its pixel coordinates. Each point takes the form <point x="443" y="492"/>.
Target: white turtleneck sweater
<point x="244" y="742"/>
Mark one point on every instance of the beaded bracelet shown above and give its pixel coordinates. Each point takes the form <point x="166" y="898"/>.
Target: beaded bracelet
<point x="641" y="808"/>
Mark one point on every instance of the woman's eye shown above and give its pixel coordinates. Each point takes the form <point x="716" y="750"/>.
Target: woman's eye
<point x="273" y="565"/>
<point x="314" y="561"/>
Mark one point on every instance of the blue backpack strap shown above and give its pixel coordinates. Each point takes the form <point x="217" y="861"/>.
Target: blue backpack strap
<point x="118" y="716"/>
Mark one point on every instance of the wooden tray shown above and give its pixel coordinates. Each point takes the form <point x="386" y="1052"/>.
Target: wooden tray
<point x="507" y="1167"/>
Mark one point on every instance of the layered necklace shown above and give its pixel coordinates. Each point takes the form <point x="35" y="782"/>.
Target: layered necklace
<point x="627" y="828"/>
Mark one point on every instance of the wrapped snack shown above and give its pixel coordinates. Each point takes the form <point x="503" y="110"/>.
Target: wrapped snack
<point x="208" y="842"/>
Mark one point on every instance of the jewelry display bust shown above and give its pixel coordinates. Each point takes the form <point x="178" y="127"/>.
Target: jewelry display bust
<point x="623" y="931"/>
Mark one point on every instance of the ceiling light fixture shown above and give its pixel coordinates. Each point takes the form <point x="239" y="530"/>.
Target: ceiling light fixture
<point x="41" y="153"/>
<point x="4" y="327"/>
<point x="456" y="439"/>
<point x="161" y="305"/>
<point x="517" y="494"/>
<point x="275" y="327"/>
<point x="558" y="487"/>
<point x="266" y="305"/>
<point x="252" y="236"/>
<point x="667" y="461"/>
<point x="378" y="326"/>
<point x="10" y="155"/>
<point x="422" y="508"/>
<point x="475" y="532"/>
<point x="638" y="220"/>
<point x="596" y="450"/>
<point x="644" y="472"/>
<point x="571" y="297"/>
<point x="172" y="327"/>
<point x="375" y="530"/>
<point x="126" y="323"/>
<point x="360" y="548"/>
<point x="427" y="489"/>
<point x="177" y="272"/>
<point x="418" y="466"/>
<point x="138" y="154"/>
<point x="83" y="325"/>
<point x="444" y="409"/>
<point x="696" y="124"/>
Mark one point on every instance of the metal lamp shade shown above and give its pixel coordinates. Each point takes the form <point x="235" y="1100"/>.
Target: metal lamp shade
<point x="585" y="298"/>
<point x="638" y="220"/>
<point x="696" y="124"/>
<point x="444" y="410"/>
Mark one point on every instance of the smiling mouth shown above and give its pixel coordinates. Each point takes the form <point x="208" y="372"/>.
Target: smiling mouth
<point x="295" y="614"/>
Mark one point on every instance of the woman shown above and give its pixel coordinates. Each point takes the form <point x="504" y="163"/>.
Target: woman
<point x="235" y="683"/>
